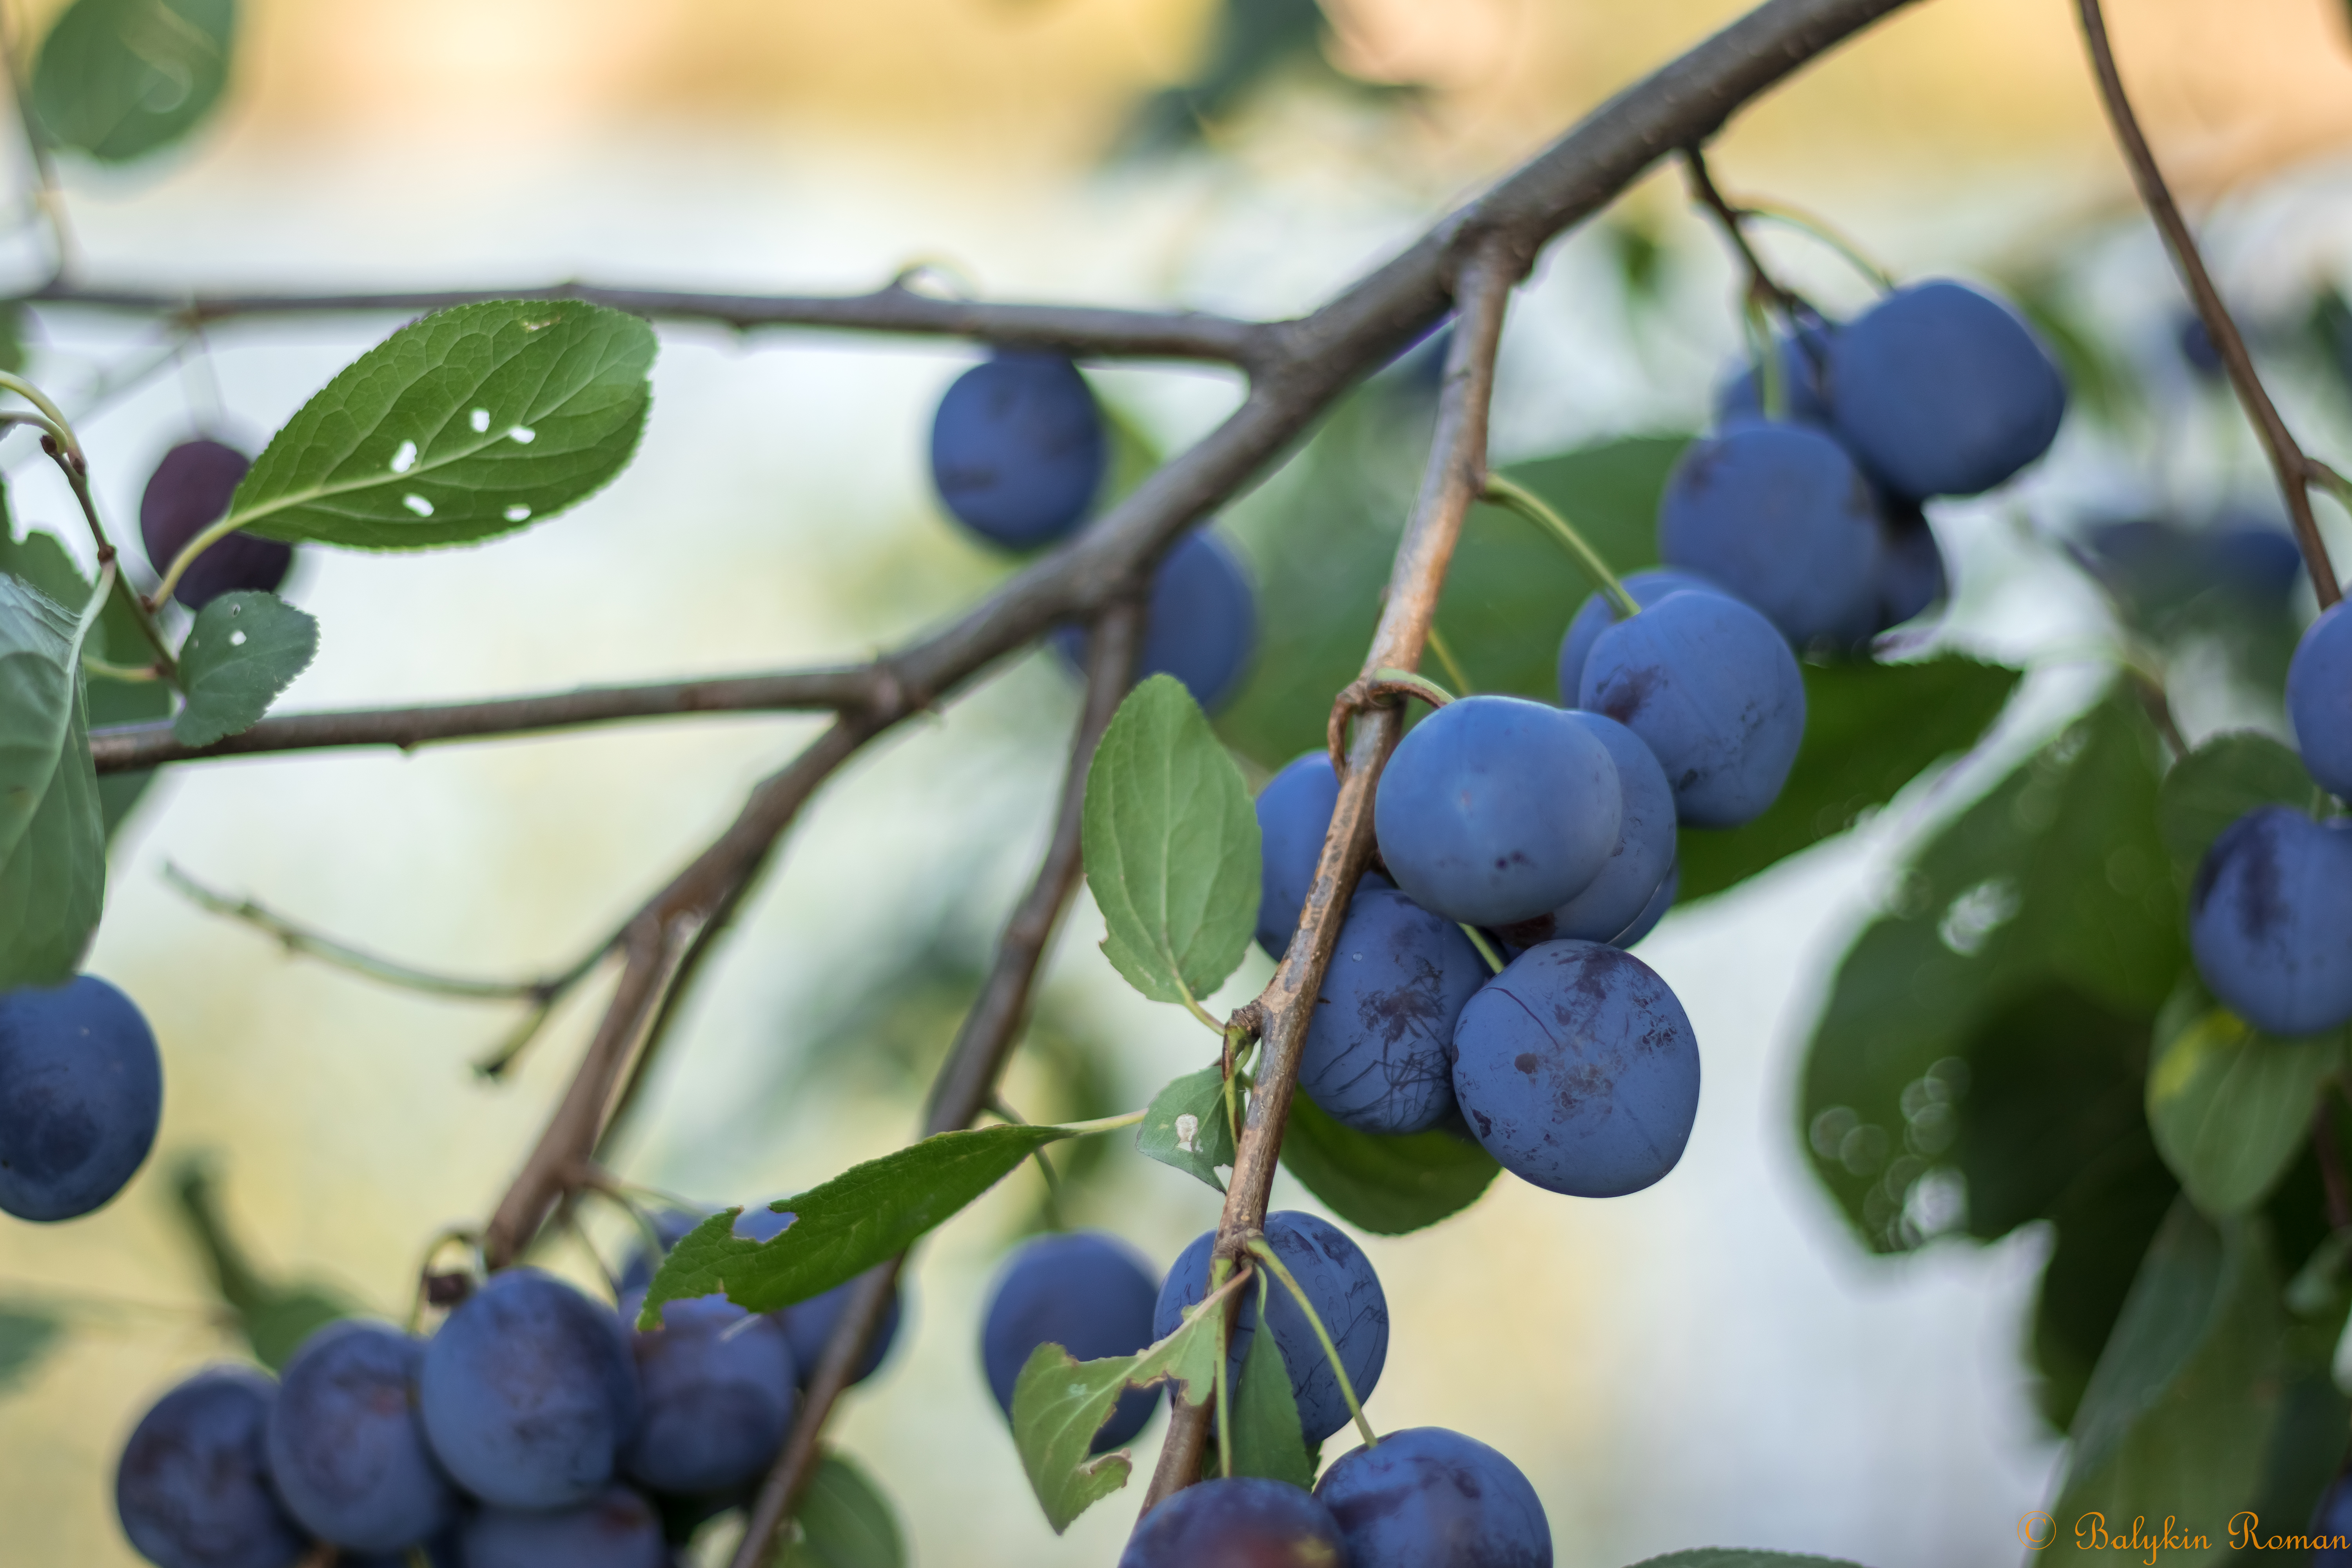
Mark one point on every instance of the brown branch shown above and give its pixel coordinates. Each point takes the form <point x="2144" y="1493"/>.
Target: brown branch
<point x="2287" y="459"/>
<point x="1092" y="332"/>
<point x="1456" y="473"/>
<point x="967" y="1081"/>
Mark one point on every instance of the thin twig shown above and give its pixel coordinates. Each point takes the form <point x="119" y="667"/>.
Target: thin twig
<point x="967" y="1082"/>
<point x="1732" y="219"/>
<point x="2287" y="461"/>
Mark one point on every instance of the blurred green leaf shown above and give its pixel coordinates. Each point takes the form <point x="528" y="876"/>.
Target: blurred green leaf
<point x="28" y="1333"/>
<point x="1267" y="1438"/>
<point x="2219" y="782"/>
<point x="276" y="1316"/>
<point x="1186" y="1126"/>
<point x="469" y="423"/>
<point x="1740" y="1557"/>
<point x="843" y="1520"/>
<point x="2229" y="1106"/>
<point x="245" y="649"/>
<point x="52" y="833"/>
<point x="1172" y="845"/>
<point x="2105" y="1220"/>
<point x="1387" y="1185"/>
<point x="1870" y="728"/>
<point x="1253" y="43"/>
<point x="120" y="79"/>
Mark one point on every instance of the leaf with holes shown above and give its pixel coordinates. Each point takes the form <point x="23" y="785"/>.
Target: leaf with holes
<point x="470" y="423"/>
<point x="118" y="78"/>
<point x="1172" y="845"/>
<point x="844" y="1522"/>
<point x="1267" y="1438"/>
<point x="1386" y="1184"/>
<point x="2230" y="1106"/>
<point x="1186" y="1126"/>
<point x="245" y="649"/>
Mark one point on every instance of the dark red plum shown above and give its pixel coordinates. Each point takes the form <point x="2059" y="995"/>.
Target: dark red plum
<point x="194" y="1487"/>
<point x="1018" y="449"/>
<point x="1636" y="867"/>
<point x="81" y="1093"/>
<point x="1375" y="1053"/>
<point x="1778" y="515"/>
<point x="189" y="492"/>
<point x="2269" y="921"/>
<point x="2319" y="699"/>
<point x="1804" y="358"/>
<point x="1577" y="1070"/>
<point x="1200" y="626"/>
<point x="1942" y="390"/>
<point x="1428" y="1498"/>
<point x="347" y="1448"/>
<point x="1597" y="615"/>
<point x="1337" y="1276"/>
<point x="1237" y="1522"/>
<point x="1089" y="1293"/>
<point x="1495" y="809"/>
<point x="615" y="1528"/>
<point x="530" y="1393"/>
<point x="717" y="1389"/>
<point x="1713" y="690"/>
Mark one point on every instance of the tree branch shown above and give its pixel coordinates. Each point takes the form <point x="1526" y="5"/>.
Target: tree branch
<point x="2287" y="461"/>
<point x="1456" y="473"/>
<point x="967" y="1080"/>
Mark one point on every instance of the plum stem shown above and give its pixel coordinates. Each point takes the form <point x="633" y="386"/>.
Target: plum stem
<point x="1486" y="949"/>
<point x="1263" y="1250"/>
<point x="1516" y="498"/>
<point x="1819" y="228"/>
<point x="1463" y="686"/>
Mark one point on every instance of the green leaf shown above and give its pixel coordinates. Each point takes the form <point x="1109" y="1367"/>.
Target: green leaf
<point x="1186" y="1126"/>
<point x="245" y="649"/>
<point x="42" y="559"/>
<point x="1385" y="1184"/>
<point x="40" y="656"/>
<point x="53" y="886"/>
<point x="275" y="1315"/>
<point x="28" y="1333"/>
<point x="472" y="421"/>
<point x="2219" y="782"/>
<point x="1172" y="845"/>
<point x="1740" y="1557"/>
<point x="2105" y="1222"/>
<point x="845" y="1521"/>
<point x="868" y="1213"/>
<point x="118" y="79"/>
<point x="1060" y="1403"/>
<point x="1870" y="728"/>
<point x="1267" y="1438"/>
<point x="2229" y="1106"/>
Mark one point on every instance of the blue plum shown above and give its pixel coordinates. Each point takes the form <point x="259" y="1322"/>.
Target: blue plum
<point x="717" y="1389"/>
<point x="1778" y="515"/>
<point x="1576" y="1068"/>
<point x="2269" y="921"/>
<point x="1086" y="1291"/>
<point x="1942" y="390"/>
<point x="1911" y="575"/>
<point x="194" y="1487"/>
<point x="1495" y="809"/>
<point x="2319" y="699"/>
<point x="1636" y="867"/>
<point x="2197" y="348"/>
<point x="530" y="1393"/>
<point x="1337" y="1276"/>
<point x="1236" y="1522"/>
<point x="615" y="1529"/>
<point x="2333" y="1521"/>
<point x="1018" y="449"/>
<point x="81" y="1092"/>
<point x="1375" y="1053"/>
<point x="2254" y="557"/>
<point x="188" y="492"/>
<point x="1200" y="626"/>
<point x="1293" y="814"/>
<point x="347" y="1449"/>
<point x="809" y="1324"/>
<point x="1596" y="616"/>
<point x="1714" y="692"/>
<point x="1652" y="913"/>
<point x="1428" y="1498"/>
<point x="1804" y="357"/>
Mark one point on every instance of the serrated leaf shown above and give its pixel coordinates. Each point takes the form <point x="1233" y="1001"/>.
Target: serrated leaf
<point x="245" y="649"/>
<point x="53" y="886"/>
<point x="845" y="1521"/>
<point x="1172" y="845"/>
<point x="28" y="1333"/>
<point x="469" y="423"/>
<point x="2219" y="782"/>
<point x="1060" y="1403"/>
<point x="117" y="79"/>
<point x="2230" y="1106"/>
<point x="1267" y="1438"/>
<point x="1741" y="1557"/>
<point x="40" y="656"/>
<point x="868" y="1213"/>
<point x="1385" y="1184"/>
<point x="1186" y="1126"/>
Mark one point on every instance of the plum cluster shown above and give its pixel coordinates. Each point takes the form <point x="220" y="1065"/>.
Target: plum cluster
<point x="535" y="1426"/>
<point x="81" y="1093"/>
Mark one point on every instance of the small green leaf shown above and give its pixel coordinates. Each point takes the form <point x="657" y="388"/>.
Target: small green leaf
<point x="472" y="421"/>
<point x="1387" y="1185"/>
<point x="245" y="649"/>
<point x="868" y="1213"/>
<point x="2231" y="1107"/>
<point x="1740" y="1557"/>
<point x="1172" y="845"/>
<point x="845" y="1521"/>
<point x="28" y="1333"/>
<point x="1186" y="1126"/>
<point x="1060" y="1403"/>
<point x="1266" y="1439"/>
<point x="2219" y="782"/>
<point x="53" y="886"/>
<point x="118" y="78"/>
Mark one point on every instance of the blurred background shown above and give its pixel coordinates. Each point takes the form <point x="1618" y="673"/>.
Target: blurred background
<point x="1715" y="1360"/>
